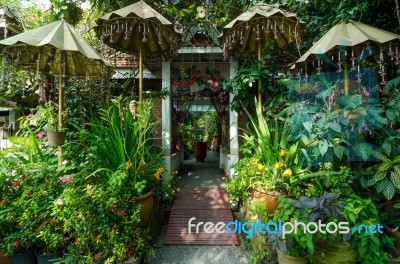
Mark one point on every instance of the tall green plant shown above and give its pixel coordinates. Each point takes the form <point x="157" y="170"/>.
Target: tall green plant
<point x="123" y="140"/>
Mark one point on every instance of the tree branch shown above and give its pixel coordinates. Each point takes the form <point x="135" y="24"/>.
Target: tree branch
<point x="397" y="11"/>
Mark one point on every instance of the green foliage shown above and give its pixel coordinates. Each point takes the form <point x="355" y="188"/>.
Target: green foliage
<point x="370" y="246"/>
<point x="386" y="175"/>
<point x="123" y="142"/>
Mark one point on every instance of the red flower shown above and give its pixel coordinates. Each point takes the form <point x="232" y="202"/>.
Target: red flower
<point x="16" y="244"/>
<point x="52" y="221"/>
<point x="122" y="213"/>
<point x="77" y="241"/>
<point x="16" y="183"/>
<point x="111" y="206"/>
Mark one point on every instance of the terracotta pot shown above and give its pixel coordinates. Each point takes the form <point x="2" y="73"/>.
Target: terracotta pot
<point x="200" y="151"/>
<point x="4" y="259"/>
<point x="334" y="252"/>
<point x="146" y="201"/>
<point x="269" y="198"/>
<point x="285" y="259"/>
<point x="56" y="138"/>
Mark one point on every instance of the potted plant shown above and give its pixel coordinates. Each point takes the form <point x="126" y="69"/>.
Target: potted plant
<point x="45" y="119"/>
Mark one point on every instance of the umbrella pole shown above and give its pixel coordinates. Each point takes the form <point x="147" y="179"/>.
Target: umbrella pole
<point x="140" y="72"/>
<point x="60" y="94"/>
<point x="346" y="77"/>
<point x="259" y="81"/>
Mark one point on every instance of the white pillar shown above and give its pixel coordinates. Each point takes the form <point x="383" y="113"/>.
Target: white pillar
<point x="233" y="124"/>
<point x="166" y="116"/>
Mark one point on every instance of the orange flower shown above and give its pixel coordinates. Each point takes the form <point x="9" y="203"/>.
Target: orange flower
<point x="282" y="152"/>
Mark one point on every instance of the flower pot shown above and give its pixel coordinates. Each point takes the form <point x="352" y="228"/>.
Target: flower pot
<point x="200" y="151"/>
<point x="334" y="252"/>
<point x="285" y="259"/>
<point x="4" y="259"/>
<point x="146" y="201"/>
<point x="269" y="198"/>
<point x="45" y="258"/>
<point x="56" y="138"/>
<point x="27" y="257"/>
<point x="69" y="258"/>
<point x="135" y="260"/>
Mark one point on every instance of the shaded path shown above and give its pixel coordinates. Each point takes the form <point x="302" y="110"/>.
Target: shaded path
<point x="197" y="177"/>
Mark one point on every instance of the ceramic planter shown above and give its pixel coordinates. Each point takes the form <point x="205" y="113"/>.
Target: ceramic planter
<point x="27" y="257"/>
<point x="45" y="258"/>
<point x="146" y="201"/>
<point x="334" y="252"/>
<point x="269" y="198"/>
<point x="285" y="259"/>
<point x="200" y="151"/>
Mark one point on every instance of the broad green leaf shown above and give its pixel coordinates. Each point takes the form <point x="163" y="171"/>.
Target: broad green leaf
<point x="384" y="166"/>
<point x="379" y="156"/>
<point x="389" y="191"/>
<point x="397" y="206"/>
<point x="323" y="147"/>
<point x="335" y="127"/>
<point x="381" y="185"/>
<point x="387" y="147"/>
<point x="391" y="114"/>
<point x="396" y="160"/>
<point x="338" y="152"/>
<point x="395" y="177"/>
<point x="364" y="150"/>
<point x="379" y="176"/>
<point x="308" y="126"/>
<point x="305" y="140"/>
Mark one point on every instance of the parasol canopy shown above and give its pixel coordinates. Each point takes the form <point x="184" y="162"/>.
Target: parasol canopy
<point x="362" y="38"/>
<point x="55" y="49"/>
<point x="137" y="29"/>
<point x="259" y="25"/>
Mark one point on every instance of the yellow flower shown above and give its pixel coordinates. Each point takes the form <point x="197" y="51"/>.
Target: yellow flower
<point x="287" y="172"/>
<point x="128" y="165"/>
<point x="160" y="170"/>
<point x="282" y="152"/>
<point x="157" y="175"/>
<point x="279" y="165"/>
<point x="260" y="167"/>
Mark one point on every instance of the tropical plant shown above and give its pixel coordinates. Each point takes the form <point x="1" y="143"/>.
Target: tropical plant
<point x="384" y="177"/>
<point x="362" y="213"/>
<point x="124" y="152"/>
